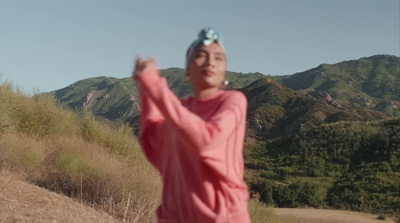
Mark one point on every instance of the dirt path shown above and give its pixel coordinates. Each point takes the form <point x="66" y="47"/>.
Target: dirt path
<point x="22" y="202"/>
<point x="327" y="216"/>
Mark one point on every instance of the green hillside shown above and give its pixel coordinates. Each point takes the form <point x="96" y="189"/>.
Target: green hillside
<point x="372" y="82"/>
<point x="345" y="165"/>
<point x="276" y="111"/>
<point x="110" y="98"/>
<point x="117" y="99"/>
<point x="363" y="89"/>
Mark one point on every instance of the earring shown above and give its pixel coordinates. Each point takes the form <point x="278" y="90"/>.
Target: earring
<point x="226" y="82"/>
<point x="186" y="79"/>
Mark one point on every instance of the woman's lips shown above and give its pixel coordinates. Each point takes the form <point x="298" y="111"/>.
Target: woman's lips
<point x="208" y="72"/>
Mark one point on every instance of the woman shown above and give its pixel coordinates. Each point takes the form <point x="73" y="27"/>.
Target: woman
<point x="196" y="144"/>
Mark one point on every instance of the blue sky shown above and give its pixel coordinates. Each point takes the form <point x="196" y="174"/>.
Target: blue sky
<point x="49" y="44"/>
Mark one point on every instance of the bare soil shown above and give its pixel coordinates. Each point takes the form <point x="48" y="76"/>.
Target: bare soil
<point x="327" y="216"/>
<point x="23" y="202"/>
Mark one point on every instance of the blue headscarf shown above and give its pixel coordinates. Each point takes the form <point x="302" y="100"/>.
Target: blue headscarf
<point x="206" y="36"/>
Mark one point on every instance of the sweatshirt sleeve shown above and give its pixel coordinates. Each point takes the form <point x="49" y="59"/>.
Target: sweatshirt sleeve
<point x="151" y="121"/>
<point x="199" y="134"/>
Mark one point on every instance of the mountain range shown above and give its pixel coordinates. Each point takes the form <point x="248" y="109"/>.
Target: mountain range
<point x="326" y="137"/>
<point x="357" y="90"/>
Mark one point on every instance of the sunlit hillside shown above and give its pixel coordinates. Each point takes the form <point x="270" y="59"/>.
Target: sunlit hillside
<point x="92" y="162"/>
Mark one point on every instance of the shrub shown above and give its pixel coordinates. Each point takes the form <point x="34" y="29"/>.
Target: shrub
<point x="382" y="217"/>
<point x="260" y="213"/>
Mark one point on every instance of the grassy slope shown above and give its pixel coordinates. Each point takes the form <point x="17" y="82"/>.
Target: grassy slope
<point x="76" y="156"/>
<point x="24" y="203"/>
<point x="93" y="163"/>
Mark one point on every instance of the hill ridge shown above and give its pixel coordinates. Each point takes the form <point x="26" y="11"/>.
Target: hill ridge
<point x="363" y="89"/>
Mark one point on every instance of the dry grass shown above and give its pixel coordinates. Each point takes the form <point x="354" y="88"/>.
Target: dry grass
<point x="327" y="216"/>
<point x="22" y="202"/>
<point x="95" y="164"/>
<point x="262" y="214"/>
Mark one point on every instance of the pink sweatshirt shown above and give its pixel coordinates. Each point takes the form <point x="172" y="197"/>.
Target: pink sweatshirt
<point x="197" y="146"/>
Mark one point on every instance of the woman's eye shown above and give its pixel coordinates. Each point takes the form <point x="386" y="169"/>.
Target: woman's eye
<point x="200" y="55"/>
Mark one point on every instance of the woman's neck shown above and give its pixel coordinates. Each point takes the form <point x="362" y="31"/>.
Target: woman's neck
<point x="205" y="93"/>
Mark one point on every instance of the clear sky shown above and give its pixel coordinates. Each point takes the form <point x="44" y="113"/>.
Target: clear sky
<point x="50" y="44"/>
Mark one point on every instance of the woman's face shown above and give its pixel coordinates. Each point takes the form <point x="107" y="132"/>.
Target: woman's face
<point x="207" y="66"/>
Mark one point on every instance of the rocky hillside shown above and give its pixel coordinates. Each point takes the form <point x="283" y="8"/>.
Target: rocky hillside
<point x="110" y="98"/>
<point x="117" y="99"/>
<point x="275" y="110"/>
<point x="363" y="89"/>
<point x="372" y="82"/>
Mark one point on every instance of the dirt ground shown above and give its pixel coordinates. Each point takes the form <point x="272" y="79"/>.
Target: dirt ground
<point x="327" y="216"/>
<point x="22" y="202"/>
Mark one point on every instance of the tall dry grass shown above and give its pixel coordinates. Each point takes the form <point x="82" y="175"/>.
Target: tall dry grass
<point x="94" y="163"/>
<point x="261" y="213"/>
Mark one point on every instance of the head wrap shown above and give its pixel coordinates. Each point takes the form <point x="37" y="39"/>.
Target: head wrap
<point x="206" y="36"/>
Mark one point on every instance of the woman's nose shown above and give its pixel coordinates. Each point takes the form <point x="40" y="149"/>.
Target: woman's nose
<point x="210" y="61"/>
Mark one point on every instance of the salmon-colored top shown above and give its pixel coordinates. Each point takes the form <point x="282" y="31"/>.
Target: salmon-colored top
<point x="197" y="146"/>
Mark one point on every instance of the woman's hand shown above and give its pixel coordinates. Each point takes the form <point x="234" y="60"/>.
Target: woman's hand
<point x="142" y="66"/>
